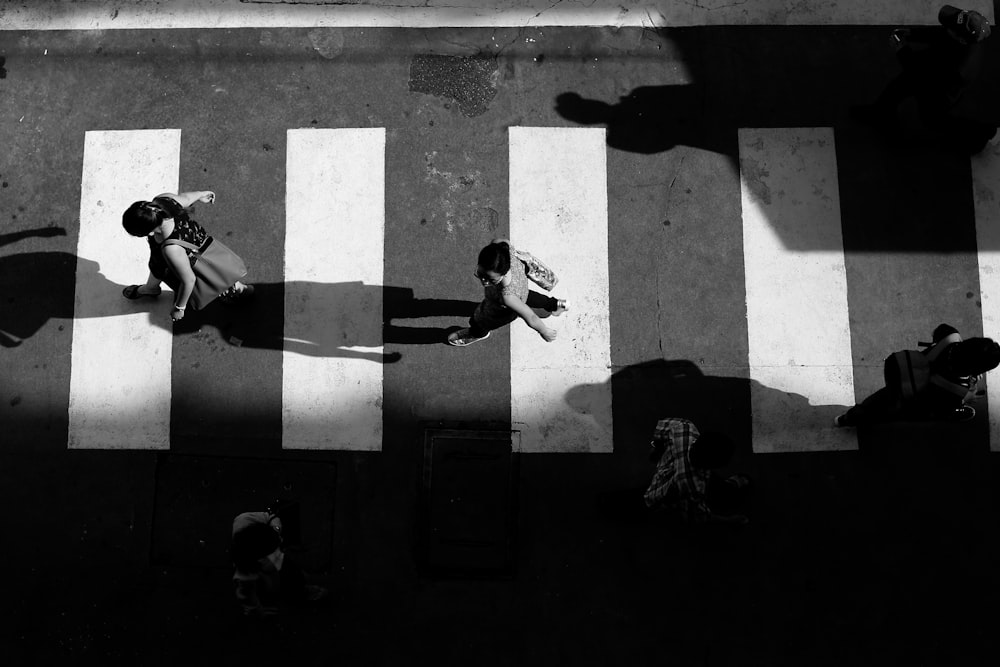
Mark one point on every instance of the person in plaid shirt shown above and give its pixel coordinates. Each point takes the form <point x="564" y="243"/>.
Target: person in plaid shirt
<point x="685" y="479"/>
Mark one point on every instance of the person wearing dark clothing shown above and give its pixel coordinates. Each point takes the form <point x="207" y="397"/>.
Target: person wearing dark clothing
<point x="686" y="480"/>
<point x="939" y="63"/>
<point x="164" y="222"/>
<point x="263" y="574"/>
<point x="936" y="388"/>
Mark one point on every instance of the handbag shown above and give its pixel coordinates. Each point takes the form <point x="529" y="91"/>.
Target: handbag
<point x="216" y="267"/>
<point x="911" y="372"/>
<point x="536" y="271"/>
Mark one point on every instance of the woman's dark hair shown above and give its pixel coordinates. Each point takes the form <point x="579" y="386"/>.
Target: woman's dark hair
<point x="495" y="257"/>
<point x="142" y="217"/>
<point x="253" y="543"/>
<point x="974" y="356"/>
<point x="712" y="450"/>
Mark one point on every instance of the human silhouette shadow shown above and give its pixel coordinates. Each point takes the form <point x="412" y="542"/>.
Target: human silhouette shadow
<point x="400" y="304"/>
<point x="33" y="286"/>
<point x="38" y="286"/>
<point x="646" y="392"/>
<point x="650" y="119"/>
<point x="339" y="321"/>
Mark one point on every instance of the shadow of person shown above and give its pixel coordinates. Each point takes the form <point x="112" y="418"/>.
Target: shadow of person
<point x="33" y="287"/>
<point x="38" y="286"/>
<point x="399" y="304"/>
<point x="327" y="319"/>
<point x="646" y="392"/>
<point x="650" y="119"/>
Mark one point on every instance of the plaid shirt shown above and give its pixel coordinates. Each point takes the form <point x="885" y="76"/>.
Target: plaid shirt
<point x="676" y="483"/>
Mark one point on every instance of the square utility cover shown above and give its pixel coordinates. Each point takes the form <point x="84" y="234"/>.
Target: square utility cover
<point x="468" y="502"/>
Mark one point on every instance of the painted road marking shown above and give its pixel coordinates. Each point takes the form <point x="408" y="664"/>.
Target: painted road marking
<point x="985" y="194"/>
<point x="797" y="321"/>
<point x="119" y="396"/>
<point x="559" y="212"/>
<point x="153" y="15"/>
<point x="334" y="247"/>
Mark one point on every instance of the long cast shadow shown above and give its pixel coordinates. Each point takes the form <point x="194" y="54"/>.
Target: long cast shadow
<point x="326" y="319"/>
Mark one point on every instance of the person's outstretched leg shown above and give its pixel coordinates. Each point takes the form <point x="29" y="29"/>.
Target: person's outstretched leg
<point x="480" y="325"/>
<point x="547" y="303"/>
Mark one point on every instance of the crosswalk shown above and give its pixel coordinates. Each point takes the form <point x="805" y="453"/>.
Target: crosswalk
<point x="334" y="234"/>
<point x="120" y="380"/>
<point x="797" y="322"/>
<point x="798" y="326"/>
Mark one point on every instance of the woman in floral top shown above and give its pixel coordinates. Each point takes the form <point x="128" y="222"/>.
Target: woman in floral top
<point x="507" y="296"/>
<point x="166" y="217"/>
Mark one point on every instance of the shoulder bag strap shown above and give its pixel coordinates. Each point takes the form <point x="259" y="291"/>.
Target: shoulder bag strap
<point x="184" y="244"/>
<point x="940" y="346"/>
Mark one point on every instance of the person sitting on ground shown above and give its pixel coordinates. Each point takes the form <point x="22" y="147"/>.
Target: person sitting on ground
<point x="263" y="574"/>
<point x="686" y="478"/>
<point x="933" y="384"/>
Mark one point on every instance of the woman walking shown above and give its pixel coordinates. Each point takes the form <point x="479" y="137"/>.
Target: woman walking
<point x="504" y="274"/>
<point x="176" y="245"/>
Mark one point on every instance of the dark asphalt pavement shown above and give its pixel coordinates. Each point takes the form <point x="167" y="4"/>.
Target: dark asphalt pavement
<point x="883" y="556"/>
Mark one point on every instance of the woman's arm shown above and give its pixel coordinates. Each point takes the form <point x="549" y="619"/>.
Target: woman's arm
<point x="529" y="317"/>
<point x="185" y="199"/>
<point x="177" y="259"/>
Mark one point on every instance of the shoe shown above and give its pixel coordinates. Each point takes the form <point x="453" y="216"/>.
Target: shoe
<point x="464" y="337"/>
<point x="562" y="307"/>
<point x="840" y="421"/>
<point x="132" y="292"/>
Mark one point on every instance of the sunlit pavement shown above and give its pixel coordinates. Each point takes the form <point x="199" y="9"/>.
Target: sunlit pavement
<point x="877" y="554"/>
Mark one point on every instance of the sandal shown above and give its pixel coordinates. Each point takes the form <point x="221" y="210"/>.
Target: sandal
<point x="132" y="292"/>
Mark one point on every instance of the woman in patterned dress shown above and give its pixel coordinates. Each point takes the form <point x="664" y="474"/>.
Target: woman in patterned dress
<point x="166" y="217"/>
<point x="507" y="297"/>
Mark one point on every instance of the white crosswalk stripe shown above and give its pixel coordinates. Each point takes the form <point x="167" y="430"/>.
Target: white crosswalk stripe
<point x="559" y="202"/>
<point x="797" y="323"/>
<point x="120" y="378"/>
<point x="800" y="357"/>
<point x="334" y="229"/>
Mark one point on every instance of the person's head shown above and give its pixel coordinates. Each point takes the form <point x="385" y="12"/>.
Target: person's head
<point x="253" y="543"/>
<point x="142" y="217"/>
<point x="975" y="356"/>
<point x="493" y="264"/>
<point x="968" y="27"/>
<point x="712" y="450"/>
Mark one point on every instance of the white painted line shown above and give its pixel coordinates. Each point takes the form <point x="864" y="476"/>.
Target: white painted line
<point x="559" y="212"/>
<point x="318" y="14"/>
<point x="334" y="246"/>
<point x="119" y="394"/>
<point x="797" y="321"/>
<point x="985" y="195"/>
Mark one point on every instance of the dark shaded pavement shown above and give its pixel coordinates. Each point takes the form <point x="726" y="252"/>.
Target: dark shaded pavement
<point x="882" y="556"/>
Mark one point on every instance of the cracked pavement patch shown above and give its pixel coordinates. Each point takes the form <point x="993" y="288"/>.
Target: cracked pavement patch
<point x="468" y="80"/>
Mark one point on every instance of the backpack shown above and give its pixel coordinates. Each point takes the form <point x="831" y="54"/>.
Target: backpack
<point x="911" y="372"/>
